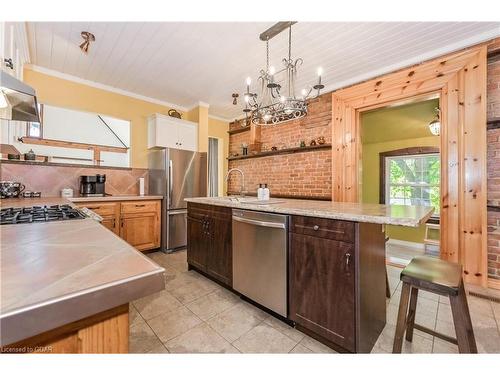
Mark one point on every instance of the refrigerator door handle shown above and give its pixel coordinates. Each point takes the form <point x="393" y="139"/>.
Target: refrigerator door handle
<point x="170" y="182"/>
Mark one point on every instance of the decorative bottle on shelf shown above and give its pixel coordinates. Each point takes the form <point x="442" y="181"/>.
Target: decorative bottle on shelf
<point x="266" y="193"/>
<point x="260" y="193"/>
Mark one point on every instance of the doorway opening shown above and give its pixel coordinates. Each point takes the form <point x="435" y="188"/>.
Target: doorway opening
<point x="401" y="165"/>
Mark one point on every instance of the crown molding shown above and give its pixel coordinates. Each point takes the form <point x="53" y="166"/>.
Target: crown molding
<point x="223" y="119"/>
<point x="69" y="77"/>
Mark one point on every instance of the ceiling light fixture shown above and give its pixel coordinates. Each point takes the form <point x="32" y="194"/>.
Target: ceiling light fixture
<point x="235" y="98"/>
<point x="87" y="37"/>
<point x="276" y="103"/>
<point x="435" y="125"/>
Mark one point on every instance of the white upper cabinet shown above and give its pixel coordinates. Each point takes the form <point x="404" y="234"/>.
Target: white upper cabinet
<point x="167" y="131"/>
<point x="13" y="48"/>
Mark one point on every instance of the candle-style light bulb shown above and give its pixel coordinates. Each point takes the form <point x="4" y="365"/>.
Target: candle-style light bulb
<point x="304" y="93"/>
<point x="320" y="71"/>
<point x="272" y="70"/>
<point x="249" y="81"/>
<point x="247" y="98"/>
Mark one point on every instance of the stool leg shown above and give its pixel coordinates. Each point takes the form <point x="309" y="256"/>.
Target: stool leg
<point x="401" y="323"/>
<point x="411" y="314"/>
<point x="467" y="320"/>
<point x="387" y="289"/>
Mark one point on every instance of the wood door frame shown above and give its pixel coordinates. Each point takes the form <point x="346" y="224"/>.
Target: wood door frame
<point x="460" y="80"/>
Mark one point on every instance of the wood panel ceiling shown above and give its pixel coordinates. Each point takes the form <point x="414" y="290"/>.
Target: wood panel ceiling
<point x="187" y="62"/>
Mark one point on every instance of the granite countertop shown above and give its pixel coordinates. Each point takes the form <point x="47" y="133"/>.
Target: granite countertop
<point x="26" y="202"/>
<point x="408" y="216"/>
<point x="54" y="273"/>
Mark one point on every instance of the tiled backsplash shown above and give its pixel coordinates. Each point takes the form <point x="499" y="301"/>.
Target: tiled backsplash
<point x="51" y="179"/>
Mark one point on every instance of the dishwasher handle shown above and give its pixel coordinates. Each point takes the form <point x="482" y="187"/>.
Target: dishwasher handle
<point x="259" y="223"/>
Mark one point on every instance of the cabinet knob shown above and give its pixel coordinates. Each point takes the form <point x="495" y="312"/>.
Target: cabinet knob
<point x="316" y="227"/>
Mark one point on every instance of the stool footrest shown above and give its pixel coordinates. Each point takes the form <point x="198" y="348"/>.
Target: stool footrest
<point x="435" y="334"/>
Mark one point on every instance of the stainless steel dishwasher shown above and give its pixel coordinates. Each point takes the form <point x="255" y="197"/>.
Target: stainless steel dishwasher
<point x="260" y="258"/>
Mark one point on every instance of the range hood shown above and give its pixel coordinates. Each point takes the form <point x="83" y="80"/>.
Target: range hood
<point x="17" y="100"/>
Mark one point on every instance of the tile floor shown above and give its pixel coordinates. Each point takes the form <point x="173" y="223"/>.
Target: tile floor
<point x="196" y="315"/>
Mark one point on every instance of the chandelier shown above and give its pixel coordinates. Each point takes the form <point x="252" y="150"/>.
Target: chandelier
<point x="277" y="101"/>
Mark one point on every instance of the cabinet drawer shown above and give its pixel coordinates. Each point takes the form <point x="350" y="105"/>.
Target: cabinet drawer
<point x="134" y="207"/>
<point x="101" y="208"/>
<point x="324" y="228"/>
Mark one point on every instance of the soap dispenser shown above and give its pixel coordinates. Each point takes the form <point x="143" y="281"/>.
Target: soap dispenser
<point x="266" y="193"/>
<point x="260" y="193"/>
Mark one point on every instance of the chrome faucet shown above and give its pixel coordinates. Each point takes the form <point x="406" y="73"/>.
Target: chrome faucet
<point x="242" y="191"/>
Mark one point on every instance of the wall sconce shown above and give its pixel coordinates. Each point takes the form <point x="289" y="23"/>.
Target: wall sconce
<point x="435" y="125"/>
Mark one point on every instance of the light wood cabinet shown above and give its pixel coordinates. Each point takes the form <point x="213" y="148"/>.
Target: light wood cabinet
<point x="137" y="222"/>
<point x="140" y="230"/>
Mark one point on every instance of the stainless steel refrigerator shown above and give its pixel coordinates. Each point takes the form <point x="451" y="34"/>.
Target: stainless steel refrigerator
<point x="176" y="174"/>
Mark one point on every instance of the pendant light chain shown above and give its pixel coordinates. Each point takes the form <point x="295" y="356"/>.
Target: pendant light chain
<point x="267" y="55"/>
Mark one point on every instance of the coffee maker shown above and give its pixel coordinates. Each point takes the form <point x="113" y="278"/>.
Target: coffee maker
<point x="92" y="186"/>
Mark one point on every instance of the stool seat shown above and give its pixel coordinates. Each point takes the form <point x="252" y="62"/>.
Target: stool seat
<point x="440" y="276"/>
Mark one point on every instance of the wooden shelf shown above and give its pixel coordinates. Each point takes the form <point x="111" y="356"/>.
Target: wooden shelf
<point x="240" y="130"/>
<point x="285" y="151"/>
<point x="493" y="123"/>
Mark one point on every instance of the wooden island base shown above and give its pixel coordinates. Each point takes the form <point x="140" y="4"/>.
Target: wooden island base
<point x="105" y="332"/>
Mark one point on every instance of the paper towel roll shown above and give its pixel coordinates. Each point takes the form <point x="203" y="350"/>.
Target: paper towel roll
<point x="141" y="186"/>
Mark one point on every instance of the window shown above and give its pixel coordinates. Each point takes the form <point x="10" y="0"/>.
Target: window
<point x="34" y="129"/>
<point x="413" y="180"/>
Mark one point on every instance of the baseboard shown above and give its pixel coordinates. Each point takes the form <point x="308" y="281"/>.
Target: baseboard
<point x="414" y="245"/>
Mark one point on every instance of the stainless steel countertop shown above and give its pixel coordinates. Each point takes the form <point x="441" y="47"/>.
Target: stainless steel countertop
<point x="408" y="216"/>
<point x="55" y="273"/>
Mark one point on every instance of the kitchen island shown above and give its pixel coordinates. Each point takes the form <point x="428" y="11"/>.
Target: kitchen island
<point x="66" y="285"/>
<point x="333" y="265"/>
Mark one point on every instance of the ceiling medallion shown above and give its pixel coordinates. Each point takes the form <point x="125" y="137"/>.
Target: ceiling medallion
<point x="277" y="102"/>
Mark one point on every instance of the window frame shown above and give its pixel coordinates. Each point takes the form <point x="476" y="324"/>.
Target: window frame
<point x="410" y="151"/>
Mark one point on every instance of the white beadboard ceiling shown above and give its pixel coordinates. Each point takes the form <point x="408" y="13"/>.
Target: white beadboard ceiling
<point x="187" y="62"/>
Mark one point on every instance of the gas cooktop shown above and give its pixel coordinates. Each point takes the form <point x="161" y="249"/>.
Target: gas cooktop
<point x="39" y="214"/>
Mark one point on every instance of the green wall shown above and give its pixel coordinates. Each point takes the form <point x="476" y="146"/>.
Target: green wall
<point x="371" y="180"/>
<point x="388" y="129"/>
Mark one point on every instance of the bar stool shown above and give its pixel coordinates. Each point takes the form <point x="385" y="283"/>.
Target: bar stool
<point x="443" y="278"/>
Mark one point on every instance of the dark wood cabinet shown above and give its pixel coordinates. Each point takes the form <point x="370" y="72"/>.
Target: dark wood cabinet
<point x="209" y="246"/>
<point x="322" y="288"/>
<point x="337" y="281"/>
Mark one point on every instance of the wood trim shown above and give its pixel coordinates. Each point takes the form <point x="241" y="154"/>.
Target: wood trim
<point x="424" y="150"/>
<point x="105" y="332"/>
<point x="285" y="151"/>
<point x="460" y="80"/>
<point x="67" y="144"/>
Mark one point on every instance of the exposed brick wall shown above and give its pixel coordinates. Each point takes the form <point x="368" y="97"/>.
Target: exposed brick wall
<point x="300" y="174"/>
<point x="493" y="168"/>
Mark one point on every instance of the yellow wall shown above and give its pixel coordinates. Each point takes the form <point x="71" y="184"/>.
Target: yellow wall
<point x="68" y="94"/>
<point x="218" y="129"/>
<point x="371" y="180"/>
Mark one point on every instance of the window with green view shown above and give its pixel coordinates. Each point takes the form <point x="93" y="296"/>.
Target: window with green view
<point x="413" y="180"/>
